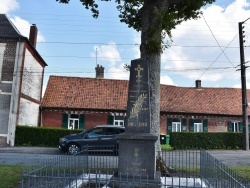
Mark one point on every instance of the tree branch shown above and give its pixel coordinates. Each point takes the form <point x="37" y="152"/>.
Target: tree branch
<point x="174" y="2"/>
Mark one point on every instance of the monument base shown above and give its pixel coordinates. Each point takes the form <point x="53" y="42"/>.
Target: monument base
<point x="118" y="182"/>
<point x="135" y="159"/>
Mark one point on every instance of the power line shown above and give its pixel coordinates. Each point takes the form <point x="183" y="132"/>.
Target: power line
<point x="223" y="50"/>
<point x="212" y="62"/>
<point x="135" y="44"/>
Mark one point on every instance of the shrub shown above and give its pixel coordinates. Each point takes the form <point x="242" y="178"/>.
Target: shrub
<point x="40" y="136"/>
<point x="187" y="140"/>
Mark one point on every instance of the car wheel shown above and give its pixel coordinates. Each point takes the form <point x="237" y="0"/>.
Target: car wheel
<point x="73" y="149"/>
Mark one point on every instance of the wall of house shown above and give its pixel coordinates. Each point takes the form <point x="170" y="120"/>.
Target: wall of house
<point x="215" y="123"/>
<point x="93" y="119"/>
<point x="28" y="113"/>
<point x="4" y="98"/>
<point x="51" y="118"/>
<point x="163" y="125"/>
<point x="31" y="91"/>
<point x="32" y="77"/>
<point x="4" y="113"/>
<point x="8" y="49"/>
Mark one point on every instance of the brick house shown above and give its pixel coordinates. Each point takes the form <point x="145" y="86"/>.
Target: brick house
<point x="21" y="80"/>
<point x="81" y="103"/>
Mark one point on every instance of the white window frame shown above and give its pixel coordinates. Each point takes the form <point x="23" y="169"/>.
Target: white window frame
<point x="176" y="126"/>
<point x="72" y="126"/>
<point x="236" y="126"/>
<point x="119" y="122"/>
<point x="198" y="127"/>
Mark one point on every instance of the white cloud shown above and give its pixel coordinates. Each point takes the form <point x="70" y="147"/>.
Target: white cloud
<point x="108" y="53"/>
<point x="215" y="33"/>
<point x="136" y="40"/>
<point x="24" y="27"/>
<point x="239" y="85"/>
<point x="166" y="80"/>
<point x="219" y="27"/>
<point x="118" y="73"/>
<point x="8" y="5"/>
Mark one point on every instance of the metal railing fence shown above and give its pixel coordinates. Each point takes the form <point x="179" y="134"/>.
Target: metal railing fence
<point x="99" y="168"/>
<point x="216" y="174"/>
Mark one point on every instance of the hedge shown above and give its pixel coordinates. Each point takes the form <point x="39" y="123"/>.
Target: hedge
<point x="40" y="136"/>
<point x="205" y="140"/>
<point x="49" y="137"/>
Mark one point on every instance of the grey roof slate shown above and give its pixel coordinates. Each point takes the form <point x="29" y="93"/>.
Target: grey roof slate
<point x="7" y="28"/>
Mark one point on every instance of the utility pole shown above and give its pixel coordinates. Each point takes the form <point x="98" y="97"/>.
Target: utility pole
<point x="244" y="90"/>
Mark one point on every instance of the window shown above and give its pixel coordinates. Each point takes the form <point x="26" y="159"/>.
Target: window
<point x="2" y="50"/>
<point x="119" y="121"/>
<point x="235" y="126"/>
<point x="176" y="126"/>
<point x="73" y="121"/>
<point x="198" y="127"/>
<point x="96" y="132"/>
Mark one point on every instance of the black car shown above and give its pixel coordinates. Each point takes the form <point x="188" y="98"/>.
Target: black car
<point x="100" y="137"/>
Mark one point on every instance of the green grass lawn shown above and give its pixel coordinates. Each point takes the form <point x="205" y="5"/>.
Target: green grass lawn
<point x="166" y="147"/>
<point x="243" y="171"/>
<point x="10" y="176"/>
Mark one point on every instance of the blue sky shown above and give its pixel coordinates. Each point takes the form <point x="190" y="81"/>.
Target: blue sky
<point x="72" y="42"/>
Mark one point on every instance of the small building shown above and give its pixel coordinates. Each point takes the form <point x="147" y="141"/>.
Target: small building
<point x="21" y="80"/>
<point x="81" y="103"/>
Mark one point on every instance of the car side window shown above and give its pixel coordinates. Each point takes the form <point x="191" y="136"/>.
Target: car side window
<point x="96" y="132"/>
<point x="111" y="131"/>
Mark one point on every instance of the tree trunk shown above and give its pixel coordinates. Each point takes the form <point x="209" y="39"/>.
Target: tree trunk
<point x="152" y="14"/>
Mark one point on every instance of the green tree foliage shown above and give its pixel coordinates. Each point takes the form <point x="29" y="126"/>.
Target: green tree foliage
<point x="154" y="19"/>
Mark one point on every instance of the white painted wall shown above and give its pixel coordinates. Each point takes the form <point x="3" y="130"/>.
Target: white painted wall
<point x="28" y="114"/>
<point x="31" y="86"/>
<point x="32" y="77"/>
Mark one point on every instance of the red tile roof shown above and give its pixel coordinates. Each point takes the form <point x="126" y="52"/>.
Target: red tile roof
<point x="90" y="93"/>
<point x="94" y="94"/>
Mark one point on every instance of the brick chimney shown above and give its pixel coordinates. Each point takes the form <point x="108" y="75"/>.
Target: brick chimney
<point x="99" y="71"/>
<point x="198" y="84"/>
<point x="33" y="34"/>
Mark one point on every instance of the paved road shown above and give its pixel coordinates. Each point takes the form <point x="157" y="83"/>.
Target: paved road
<point x="232" y="157"/>
<point x="27" y="155"/>
<point x="34" y="155"/>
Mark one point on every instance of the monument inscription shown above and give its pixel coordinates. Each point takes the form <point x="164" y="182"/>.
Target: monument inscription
<point x="138" y="114"/>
